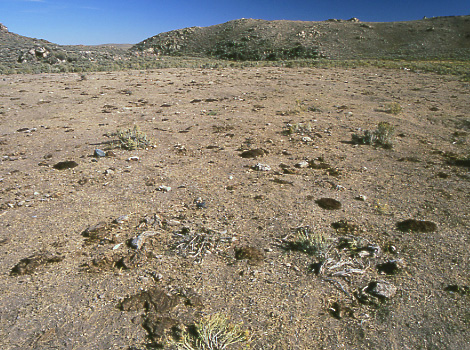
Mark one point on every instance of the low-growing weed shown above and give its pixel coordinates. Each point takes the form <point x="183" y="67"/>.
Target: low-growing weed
<point x="132" y="139"/>
<point x="382" y="136"/>
<point x="213" y="332"/>
<point x="309" y="242"/>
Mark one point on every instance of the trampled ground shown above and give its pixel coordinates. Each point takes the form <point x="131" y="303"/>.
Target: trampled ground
<point x="221" y="232"/>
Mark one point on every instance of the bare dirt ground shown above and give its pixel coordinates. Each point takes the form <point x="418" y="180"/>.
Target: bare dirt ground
<point x="218" y="231"/>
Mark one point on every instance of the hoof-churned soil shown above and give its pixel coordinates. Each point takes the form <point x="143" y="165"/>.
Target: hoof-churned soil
<point x="251" y="200"/>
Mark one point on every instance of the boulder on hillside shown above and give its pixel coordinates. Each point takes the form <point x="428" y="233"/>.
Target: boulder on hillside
<point x="3" y="28"/>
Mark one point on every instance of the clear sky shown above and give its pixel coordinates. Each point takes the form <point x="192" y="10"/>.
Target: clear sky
<point x="92" y="22"/>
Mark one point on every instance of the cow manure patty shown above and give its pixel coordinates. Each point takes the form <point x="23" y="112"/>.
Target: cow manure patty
<point x="68" y="164"/>
<point x="416" y="226"/>
<point x="154" y="298"/>
<point x="29" y="265"/>
<point x="255" y="256"/>
<point x="253" y="153"/>
<point x="329" y="203"/>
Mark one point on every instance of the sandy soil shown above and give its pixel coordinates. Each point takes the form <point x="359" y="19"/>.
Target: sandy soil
<point x="224" y="237"/>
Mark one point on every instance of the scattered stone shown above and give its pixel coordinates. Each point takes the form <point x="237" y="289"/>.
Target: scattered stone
<point x="121" y="219"/>
<point x="68" y="164"/>
<point x="390" y="267"/>
<point x="255" y="256"/>
<point x="29" y="265"/>
<point x="200" y="204"/>
<point x="302" y="164"/>
<point x="99" y="153"/>
<point x="417" y="226"/>
<point x="369" y="250"/>
<point x="139" y="241"/>
<point x="163" y="188"/>
<point x="329" y="203"/>
<point x="381" y="290"/>
<point x="361" y="198"/>
<point x="307" y="139"/>
<point x="27" y="130"/>
<point x="133" y="159"/>
<point x="261" y="167"/>
<point x="110" y="154"/>
<point x="254" y="153"/>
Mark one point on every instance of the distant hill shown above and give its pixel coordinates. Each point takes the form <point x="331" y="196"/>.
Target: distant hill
<point x="23" y="54"/>
<point x="247" y="39"/>
<point x="255" y="39"/>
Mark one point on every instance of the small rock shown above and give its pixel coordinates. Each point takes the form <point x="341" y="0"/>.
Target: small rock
<point x="302" y="164"/>
<point x="261" y="167"/>
<point x="110" y="154"/>
<point x="369" y="250"/>
<point x="133" y="159"/>
<point x="109" y="172"/>
<point x="381" y="290"/>
<point x="99" y="153"/>
<point x="200" y="204"/>
<point x="122" y="219"/>
<point x="117" y="246"/>
<point x="163" y="188"/>
<point x="307" y="139"/>
<point x="139" y="241"/>
<point x="361" y="198"/>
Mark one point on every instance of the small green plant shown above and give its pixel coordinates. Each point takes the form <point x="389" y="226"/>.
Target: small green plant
<point x="132" y="139"/>
<point x="382" y="136"/>
<point x="309" y="242"/>
<point x="213" y="332"/>
<point x="299" y="128"/>
<point x="393" y="108"/>
<point x="382" y="208"/>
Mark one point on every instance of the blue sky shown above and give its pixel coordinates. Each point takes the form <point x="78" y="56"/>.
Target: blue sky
<point x="131" y="21"/>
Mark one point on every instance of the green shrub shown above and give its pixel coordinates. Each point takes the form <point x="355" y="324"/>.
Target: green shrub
<point x="394" y="108"/>
<point x="309" y="242"/>
<point x="382" y="136"/>
<point x="132" y="139"/>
